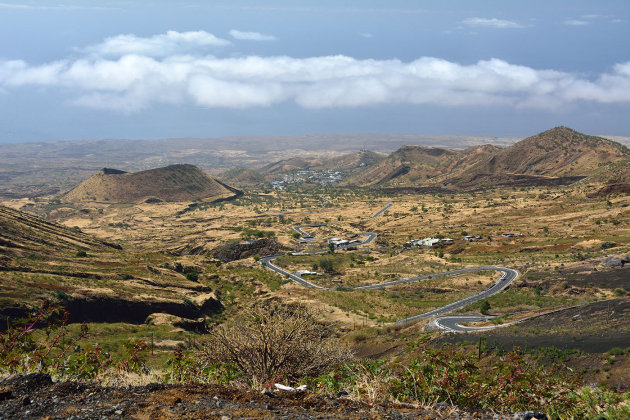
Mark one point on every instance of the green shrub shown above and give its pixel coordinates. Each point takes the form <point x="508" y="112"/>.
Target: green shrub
<point x="60" y="295"/>
<point x="616" y="351"/>
<point x="192" y="276"/>
<point x="449" y="375"/>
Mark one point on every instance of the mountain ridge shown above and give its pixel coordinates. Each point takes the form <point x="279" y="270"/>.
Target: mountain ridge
<point x="559" y="155"/>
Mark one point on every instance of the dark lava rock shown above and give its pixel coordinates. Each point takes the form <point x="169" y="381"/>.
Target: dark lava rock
<point x="28" y="383"/>
<point x="529" y="415"/>
<point x="5" y="394"/>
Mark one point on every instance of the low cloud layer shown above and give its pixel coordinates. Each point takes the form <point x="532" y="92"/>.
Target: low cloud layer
<point x="128" y="73"/>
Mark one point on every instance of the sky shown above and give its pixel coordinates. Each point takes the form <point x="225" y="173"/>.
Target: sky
<point x="149" y="69"/>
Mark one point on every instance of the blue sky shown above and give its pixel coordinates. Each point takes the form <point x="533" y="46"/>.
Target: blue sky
<point x="76" y="69"/>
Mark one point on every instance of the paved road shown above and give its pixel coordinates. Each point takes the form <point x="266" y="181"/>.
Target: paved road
<point x="381" y="211"/>
<point x="509" y="275"/>
<point x="306" y="235"/>
<point x="452" y="323"/>
<point x="447" y="323"/>
<point x="266" y="262"/>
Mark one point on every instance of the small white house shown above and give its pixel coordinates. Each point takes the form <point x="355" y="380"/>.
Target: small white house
<point x="429" y="242"/>
<point x="338" y="242"/>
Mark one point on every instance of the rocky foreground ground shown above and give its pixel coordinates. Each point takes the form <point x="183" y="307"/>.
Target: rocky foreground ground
<point x="36" y="396"/>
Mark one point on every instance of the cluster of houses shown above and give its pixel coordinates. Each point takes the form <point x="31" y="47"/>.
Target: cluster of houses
<point x="323" y="177"/>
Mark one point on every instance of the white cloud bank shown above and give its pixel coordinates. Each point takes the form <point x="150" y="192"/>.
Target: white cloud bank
<point x="491" y="23"/>
<point x="140" y="77"/>
<point x="251" y="36"/>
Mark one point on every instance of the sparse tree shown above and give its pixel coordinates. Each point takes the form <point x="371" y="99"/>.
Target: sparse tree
<point x="485" y="307"/>
<point x="275" y="342"/>
<point x="327" y="265"/>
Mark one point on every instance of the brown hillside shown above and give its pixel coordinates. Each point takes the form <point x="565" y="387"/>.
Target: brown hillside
<point x="413" y="162"/>
<point x="351" y="161"/>
<point x="559" y="152"/>
<point x="171" y="183"/>
<point x="419" y="165"/>
<point x="555" y="157"/>
<point x="615" y="173"/>
<point x="288" y="165"/>
<point x="347" y="162"/>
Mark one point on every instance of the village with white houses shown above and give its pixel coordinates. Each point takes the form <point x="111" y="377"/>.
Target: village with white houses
<point x="322" y="177"/>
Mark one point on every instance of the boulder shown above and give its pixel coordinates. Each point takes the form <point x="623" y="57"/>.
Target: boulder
<point x="614" y="261"/>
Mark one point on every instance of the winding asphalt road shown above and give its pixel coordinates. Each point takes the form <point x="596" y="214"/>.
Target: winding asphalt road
<point x="450" y="323"/>
<point x="381" y="211"/>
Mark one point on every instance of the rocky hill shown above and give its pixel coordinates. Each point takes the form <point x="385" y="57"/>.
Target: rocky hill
<point x="557" y="152"/>
<point x="171" y="183"/>
<point x="419" y="165"/>
<point x="556" y="156"/>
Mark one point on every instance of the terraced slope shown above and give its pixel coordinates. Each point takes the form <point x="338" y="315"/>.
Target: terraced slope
<point x="171" y="183"/>
<point x="93" y="279"/>
<point x="23" y="234"/>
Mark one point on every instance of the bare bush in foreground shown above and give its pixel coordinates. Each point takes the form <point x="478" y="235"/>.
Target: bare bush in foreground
<point x="275" y="342"/>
